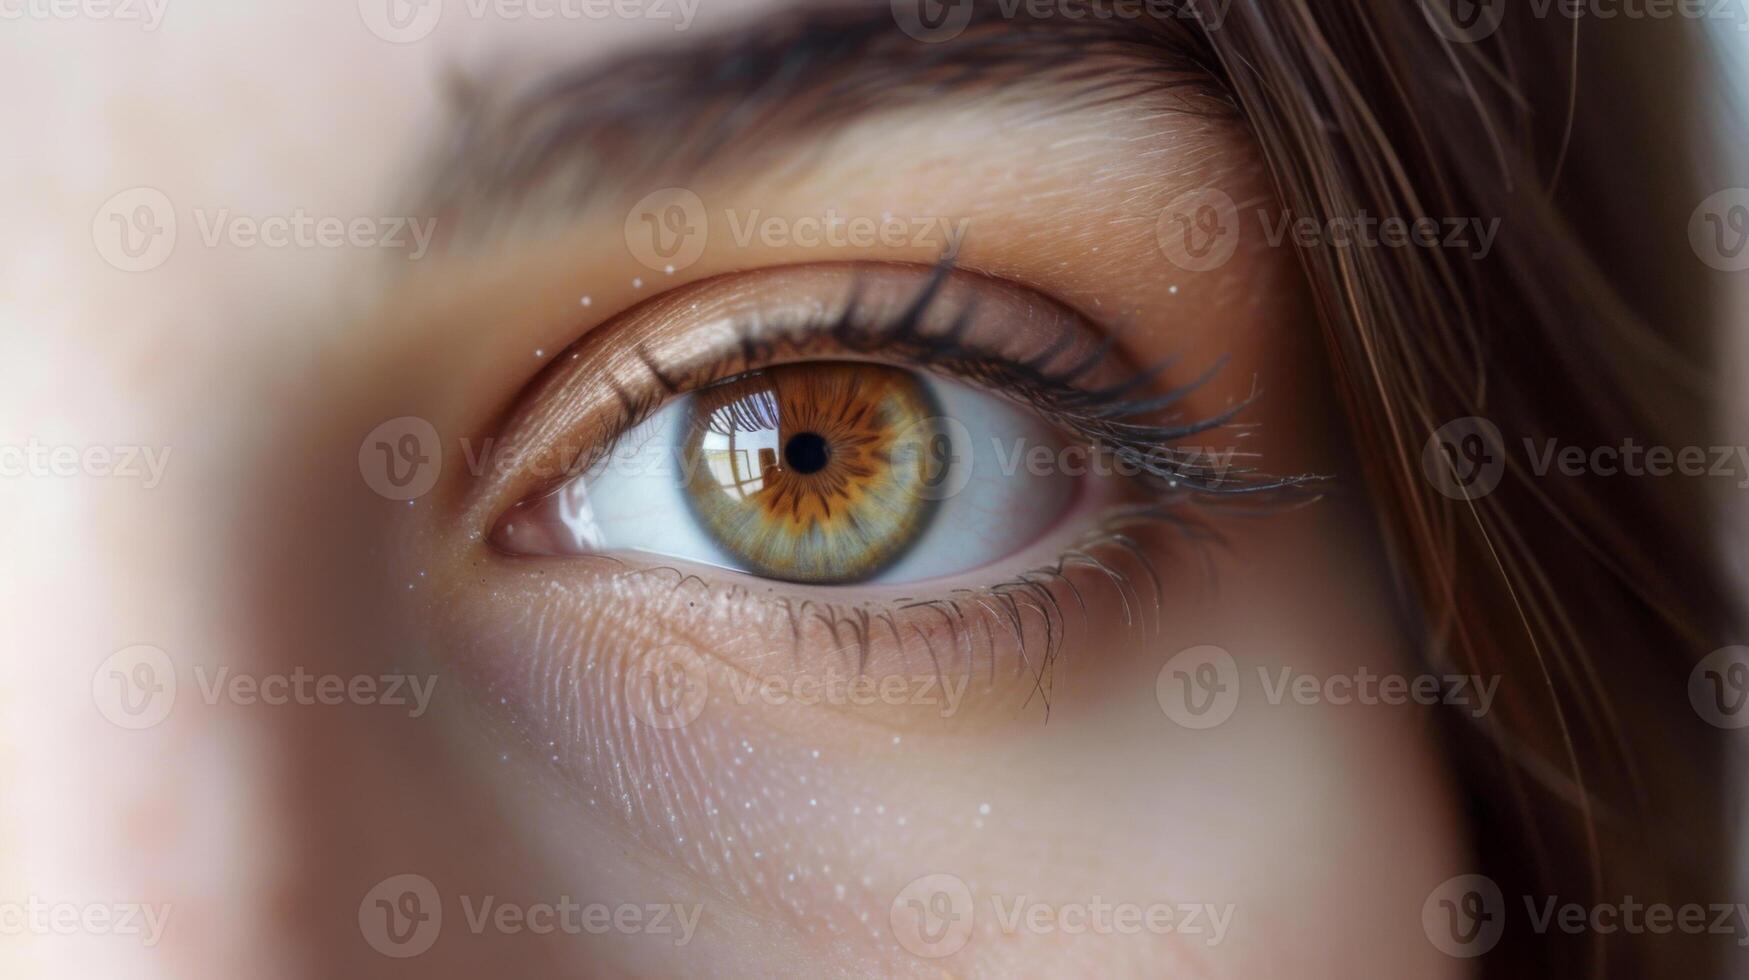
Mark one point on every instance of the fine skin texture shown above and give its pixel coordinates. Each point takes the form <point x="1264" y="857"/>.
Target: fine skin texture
<point x="792" y="827"/>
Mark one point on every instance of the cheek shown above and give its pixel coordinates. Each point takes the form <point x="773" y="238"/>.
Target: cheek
<point x="775" y="794"/>
<point x="810" y="808"/>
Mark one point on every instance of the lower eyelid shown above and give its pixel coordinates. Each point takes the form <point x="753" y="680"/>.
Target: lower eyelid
<point x="1000" y="629"/>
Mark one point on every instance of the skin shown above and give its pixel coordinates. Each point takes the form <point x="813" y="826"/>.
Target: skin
<point x="530" y="777"/>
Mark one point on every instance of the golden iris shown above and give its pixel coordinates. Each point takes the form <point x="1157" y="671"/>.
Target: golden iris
<point x="814" y="472"/>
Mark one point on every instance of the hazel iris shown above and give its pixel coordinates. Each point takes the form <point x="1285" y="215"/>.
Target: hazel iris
<point x="817" y="472"/>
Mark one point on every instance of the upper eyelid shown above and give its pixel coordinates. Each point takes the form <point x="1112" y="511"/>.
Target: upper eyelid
<point x="1045" y="375"/>
<point x="621" y="371"/>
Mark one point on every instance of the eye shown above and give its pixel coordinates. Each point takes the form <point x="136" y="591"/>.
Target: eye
<point x="828" y="472"/>
<point x="831" y="425"/>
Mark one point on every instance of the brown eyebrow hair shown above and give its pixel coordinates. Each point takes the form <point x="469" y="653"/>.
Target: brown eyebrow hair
<point x="758" y="94"/>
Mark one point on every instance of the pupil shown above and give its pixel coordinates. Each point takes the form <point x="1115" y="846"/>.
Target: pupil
<point x="806" y="452"/>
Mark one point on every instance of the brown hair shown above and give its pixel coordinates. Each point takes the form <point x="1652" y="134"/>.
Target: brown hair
<point x="1591" y="598"/>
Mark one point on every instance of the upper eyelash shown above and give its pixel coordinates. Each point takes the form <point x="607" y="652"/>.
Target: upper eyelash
<point x="1107" y="417"/>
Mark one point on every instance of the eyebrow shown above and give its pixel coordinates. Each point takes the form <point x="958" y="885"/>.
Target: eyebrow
<point x="563" y="140"/>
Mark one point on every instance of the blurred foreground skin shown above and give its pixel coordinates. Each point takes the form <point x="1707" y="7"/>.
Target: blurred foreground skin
<point x="335" y="755"/>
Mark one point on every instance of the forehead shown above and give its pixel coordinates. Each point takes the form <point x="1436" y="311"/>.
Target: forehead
<point x="268" y="108"/>
<point x="326" y="112"/>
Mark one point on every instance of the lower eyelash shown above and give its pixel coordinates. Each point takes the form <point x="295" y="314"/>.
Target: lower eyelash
<point x="1034" y="609"/>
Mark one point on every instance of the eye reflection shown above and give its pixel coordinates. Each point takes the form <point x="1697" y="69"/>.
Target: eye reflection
<point x="818" y="472"/>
